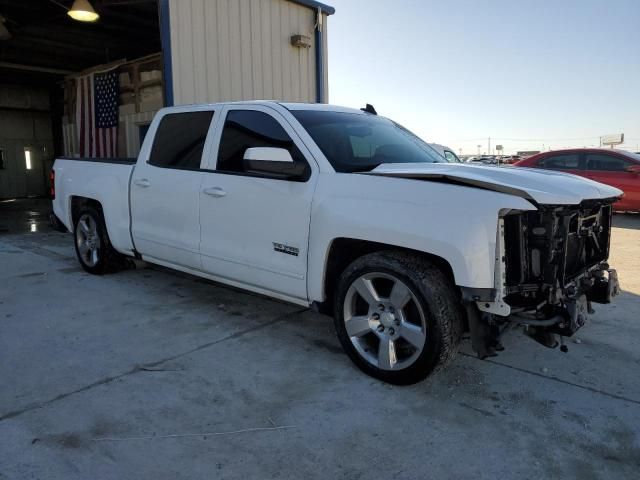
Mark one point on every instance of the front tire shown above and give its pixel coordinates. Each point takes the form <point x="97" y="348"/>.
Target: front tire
<point x="398" y="316"/>
<point x="93" y="247"/>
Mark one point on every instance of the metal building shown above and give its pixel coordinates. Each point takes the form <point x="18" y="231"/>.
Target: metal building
<point x="245" y="50"/>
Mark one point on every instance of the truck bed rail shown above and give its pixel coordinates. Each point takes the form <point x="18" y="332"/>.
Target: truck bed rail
<point x="121" y="160"/>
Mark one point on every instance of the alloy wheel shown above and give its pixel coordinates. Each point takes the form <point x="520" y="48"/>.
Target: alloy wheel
<point x="88" y="240"/>
<point x="384" y="321"/>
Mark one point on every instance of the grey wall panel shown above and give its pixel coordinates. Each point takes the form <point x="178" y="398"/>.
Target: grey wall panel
<point x="130" y="131"/>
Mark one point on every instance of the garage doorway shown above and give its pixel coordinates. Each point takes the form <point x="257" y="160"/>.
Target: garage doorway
<point x="42" y="51"/>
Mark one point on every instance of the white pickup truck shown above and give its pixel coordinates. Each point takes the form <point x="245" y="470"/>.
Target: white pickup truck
<point x="349" y="212"/>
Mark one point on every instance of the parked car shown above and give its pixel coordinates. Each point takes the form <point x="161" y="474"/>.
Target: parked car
<point x="510" y="159"/>
<point x="617" y="168"/>
<point x="483" y="160"/>
<point x="446" y="152"/>
<point x="349" y="213"/>
<point x="476" y="160"/>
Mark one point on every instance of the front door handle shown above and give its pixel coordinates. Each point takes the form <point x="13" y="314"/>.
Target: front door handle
<point x="142" y="182"/>
<point x="214" y="192"/>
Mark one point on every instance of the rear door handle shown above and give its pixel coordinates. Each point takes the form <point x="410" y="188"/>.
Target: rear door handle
<point x="214" y="192"/>
<point x="143" y="182"/>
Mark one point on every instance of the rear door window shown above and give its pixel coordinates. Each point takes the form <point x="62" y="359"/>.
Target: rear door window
<point x="568" y="161"/>
<point x="180" y="139"/>
<point x="604" y="162"/>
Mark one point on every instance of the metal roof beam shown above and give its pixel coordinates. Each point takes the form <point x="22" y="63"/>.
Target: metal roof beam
<point x="329" y="10"/>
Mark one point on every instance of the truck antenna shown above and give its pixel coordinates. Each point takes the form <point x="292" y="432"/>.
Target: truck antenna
<point x="369" y="109"/>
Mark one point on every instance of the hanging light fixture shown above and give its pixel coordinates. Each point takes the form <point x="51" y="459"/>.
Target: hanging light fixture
<point x="82" y="11"/>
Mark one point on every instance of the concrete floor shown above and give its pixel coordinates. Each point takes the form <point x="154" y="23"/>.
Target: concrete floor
<point x="153" y="374"/>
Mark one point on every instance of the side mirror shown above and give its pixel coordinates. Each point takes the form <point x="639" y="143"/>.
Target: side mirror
<point x="273" y="162"/>
<point x="635" y="169"/>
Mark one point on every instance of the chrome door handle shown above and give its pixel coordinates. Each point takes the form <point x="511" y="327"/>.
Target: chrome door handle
<point x="214" y="192"/>
<point x="143" y="182"/>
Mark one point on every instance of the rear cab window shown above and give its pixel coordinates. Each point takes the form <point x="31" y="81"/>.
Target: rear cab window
<point x="179" y="140"/>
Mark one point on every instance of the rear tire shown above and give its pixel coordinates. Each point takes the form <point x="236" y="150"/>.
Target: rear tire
<point x="93" y="247"/>
<point x="397" y="316"/>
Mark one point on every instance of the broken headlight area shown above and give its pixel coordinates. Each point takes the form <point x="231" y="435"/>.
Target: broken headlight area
<point x="556" y="255"/>
<point x="554" y="268"/>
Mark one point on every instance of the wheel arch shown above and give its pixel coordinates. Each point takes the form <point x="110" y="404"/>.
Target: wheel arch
<point x="77" y="203"/>
<point x="343" y="251"/>
<point x="109" y="259"/>
<point x="117" y="226"/>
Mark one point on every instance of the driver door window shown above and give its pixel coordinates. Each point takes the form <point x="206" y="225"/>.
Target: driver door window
<point x="245" y="129"/>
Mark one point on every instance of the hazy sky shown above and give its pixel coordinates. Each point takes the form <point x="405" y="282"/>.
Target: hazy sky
<point x="527" y="73"/>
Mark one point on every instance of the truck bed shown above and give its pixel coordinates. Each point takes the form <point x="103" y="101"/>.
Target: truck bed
<point x="105" y="180"/>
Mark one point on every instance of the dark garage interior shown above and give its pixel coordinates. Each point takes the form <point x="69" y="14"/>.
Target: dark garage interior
<point x="42" y="50"/>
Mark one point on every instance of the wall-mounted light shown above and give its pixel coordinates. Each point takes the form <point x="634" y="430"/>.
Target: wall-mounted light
<point x="82" y="11"/>
<point x="27" y="159"/>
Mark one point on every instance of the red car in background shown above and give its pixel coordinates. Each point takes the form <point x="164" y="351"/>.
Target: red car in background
<point x="617" y="168"/>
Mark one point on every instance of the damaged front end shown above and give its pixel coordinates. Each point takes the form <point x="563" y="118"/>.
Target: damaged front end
<point x="550" y="266"/>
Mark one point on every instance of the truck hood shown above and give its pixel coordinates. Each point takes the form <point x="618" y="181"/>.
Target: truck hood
<point x="540" y="186"/>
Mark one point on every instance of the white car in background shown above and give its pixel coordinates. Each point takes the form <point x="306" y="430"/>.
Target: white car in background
<point x="483" y="160"/>
<point x="446" y="152"/>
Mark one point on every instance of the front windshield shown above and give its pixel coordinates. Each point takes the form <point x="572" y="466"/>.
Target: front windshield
<point x="355" y="142"/>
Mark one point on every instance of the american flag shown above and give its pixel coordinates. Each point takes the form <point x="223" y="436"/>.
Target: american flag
<point x="97" y="114"/>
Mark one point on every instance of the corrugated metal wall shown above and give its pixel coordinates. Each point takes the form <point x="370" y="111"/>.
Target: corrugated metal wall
<point x="224" y="50"/>
<point x="70" y="138"/>
<point x="24" y="123"/>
